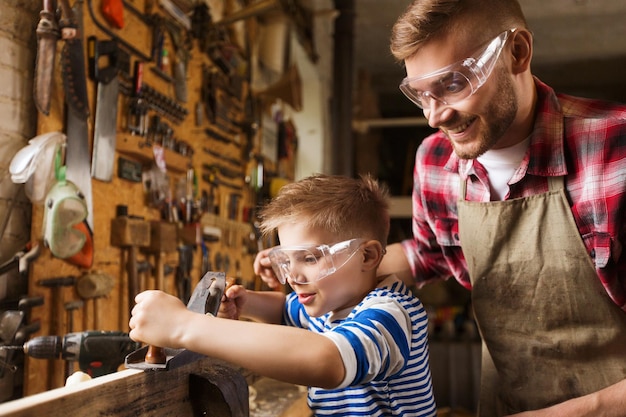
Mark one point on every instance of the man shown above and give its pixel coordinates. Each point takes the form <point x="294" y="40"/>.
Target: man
<point x="520" y="196"/>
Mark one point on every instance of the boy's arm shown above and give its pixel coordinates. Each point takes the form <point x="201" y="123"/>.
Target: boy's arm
<point x="284" y="353"/>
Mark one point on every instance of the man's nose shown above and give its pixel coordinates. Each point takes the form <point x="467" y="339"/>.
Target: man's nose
<point x="436" y="112"/>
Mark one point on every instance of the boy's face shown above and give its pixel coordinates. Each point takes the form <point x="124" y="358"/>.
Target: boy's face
<point x="341" y="289"/>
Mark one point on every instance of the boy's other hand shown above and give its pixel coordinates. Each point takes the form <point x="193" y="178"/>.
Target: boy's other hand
<point x="263" y="268"/>
<point x="232" y="303"/>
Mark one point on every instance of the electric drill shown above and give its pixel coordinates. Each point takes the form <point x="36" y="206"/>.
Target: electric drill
<point x="96" y="352"/>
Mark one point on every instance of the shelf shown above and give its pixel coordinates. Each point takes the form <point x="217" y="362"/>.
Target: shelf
<point x="137" y="147"/>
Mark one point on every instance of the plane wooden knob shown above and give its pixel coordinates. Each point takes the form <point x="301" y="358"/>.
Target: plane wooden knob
<point x="155" y="355"/>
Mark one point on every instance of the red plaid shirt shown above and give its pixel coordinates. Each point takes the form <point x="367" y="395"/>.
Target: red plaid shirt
<point x="581" y="139"/>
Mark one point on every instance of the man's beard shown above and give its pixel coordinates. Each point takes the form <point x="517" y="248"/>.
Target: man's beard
<point x="501" y="112"/>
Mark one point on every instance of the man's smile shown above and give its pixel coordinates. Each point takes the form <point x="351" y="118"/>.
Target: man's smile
<point x="459" y="129"/>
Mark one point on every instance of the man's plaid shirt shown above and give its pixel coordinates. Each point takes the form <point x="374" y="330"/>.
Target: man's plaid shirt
<point x="581" y="139"/>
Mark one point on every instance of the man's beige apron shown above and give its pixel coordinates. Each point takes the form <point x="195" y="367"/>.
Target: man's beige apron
<point x="550" y="332"/>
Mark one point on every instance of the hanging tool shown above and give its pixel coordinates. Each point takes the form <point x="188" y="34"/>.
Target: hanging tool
<point x="183" y="271"/>
<point x="56" y="285"/>
<point x="70" y="307"/>
<point x="93" y="286"/>
<point x="206" y="299"/>
<point x="181" y="61"/>
<point x="137" y="121"/>
<point x="112" y="34"/>
<point x="77" y="112"/>
<point x="47" y="36"/>
<point x="105" y="127"/>
<point x="130" y="234"/>
<point x="113" y="12"/>
<point x="14" y="329"/>
<point x="96" y="352"/>
<point x="10" y="322"/>
<point x="163" y="239"/>
<point x="65" y="230"/>
<point x="21" y="259"/>
<point x="25" y="304"/>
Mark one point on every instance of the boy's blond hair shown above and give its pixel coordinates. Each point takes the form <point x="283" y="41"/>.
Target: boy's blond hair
<point x="425" y="19"/>
<point x="343" y="206"/>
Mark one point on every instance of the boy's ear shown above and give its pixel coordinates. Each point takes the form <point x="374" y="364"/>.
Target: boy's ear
<point x="372" y="254"/>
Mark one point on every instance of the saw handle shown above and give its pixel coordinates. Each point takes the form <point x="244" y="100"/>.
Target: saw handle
<point x="155" y="355"/>
<point x="97" y="49"/>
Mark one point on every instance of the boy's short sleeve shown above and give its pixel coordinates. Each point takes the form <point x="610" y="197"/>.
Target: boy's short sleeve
<point x="374" y="343"/>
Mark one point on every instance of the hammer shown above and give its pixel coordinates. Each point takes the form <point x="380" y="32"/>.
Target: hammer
<point x="56" y="299"/>
<point x="130" y="233"/>
<point x="163" y="239"/>
<point x="70" y="307"/>
<point x="93" y="286"/>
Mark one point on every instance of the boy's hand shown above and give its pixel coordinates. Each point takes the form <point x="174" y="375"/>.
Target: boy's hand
<point x="158" y="319"/>
<point x="263" y="268"/>
<point x="233" y="300"/>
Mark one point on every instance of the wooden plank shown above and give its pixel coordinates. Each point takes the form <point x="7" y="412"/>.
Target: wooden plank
<point x="131" y="393"/>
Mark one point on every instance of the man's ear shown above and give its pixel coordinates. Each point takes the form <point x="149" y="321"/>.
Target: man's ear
<point x="521" y="50"/>
<point x="372" y="254"/>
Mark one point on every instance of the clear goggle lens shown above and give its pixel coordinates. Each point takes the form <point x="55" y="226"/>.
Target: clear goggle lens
<point x="306" y="264"/>
<point x="458" y="81"/>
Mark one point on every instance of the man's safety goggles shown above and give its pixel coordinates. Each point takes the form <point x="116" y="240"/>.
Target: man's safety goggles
<point x="458" y="81"/>
<point x="306" y="264"/>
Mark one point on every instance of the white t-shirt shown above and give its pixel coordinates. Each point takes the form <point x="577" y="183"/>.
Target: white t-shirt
<point x="501" y="165"/>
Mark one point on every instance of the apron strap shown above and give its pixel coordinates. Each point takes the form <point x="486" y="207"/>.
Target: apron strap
<point x="556" y="183"/>
<point x="462" y="187"/>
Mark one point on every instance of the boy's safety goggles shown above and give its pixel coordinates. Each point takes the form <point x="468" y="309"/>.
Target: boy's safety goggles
<point x="306" y="264"/>
<point x="457" y="81"/>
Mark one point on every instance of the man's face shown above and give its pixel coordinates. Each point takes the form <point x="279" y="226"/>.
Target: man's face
<point x="479" y="122"/>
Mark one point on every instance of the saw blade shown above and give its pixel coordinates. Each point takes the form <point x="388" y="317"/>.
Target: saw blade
<point x="105" y="130"/>
<point x="78" y="158"/>
<point x="74" y="73"/>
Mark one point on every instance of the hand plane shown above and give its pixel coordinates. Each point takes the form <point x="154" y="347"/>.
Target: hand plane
<point x="205" y="299"/>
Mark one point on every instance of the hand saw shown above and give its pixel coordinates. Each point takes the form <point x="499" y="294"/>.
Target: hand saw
<point x="78" y="161"/>
<point x="105" y="127"/>
<point x="205" y="299"/>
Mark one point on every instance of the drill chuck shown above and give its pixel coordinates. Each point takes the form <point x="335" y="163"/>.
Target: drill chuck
<point x="44" y="347"/>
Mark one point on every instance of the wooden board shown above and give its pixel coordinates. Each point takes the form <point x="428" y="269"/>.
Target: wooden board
<point x="182" y="392"/>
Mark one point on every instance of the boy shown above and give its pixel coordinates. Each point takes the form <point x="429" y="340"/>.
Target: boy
<point x="359" y="341"/>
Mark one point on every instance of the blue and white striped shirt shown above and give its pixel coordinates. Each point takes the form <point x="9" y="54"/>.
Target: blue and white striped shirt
<point x="384" y="346"/>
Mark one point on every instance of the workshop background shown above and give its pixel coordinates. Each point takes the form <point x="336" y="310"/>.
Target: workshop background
<point x="219" y="102"/>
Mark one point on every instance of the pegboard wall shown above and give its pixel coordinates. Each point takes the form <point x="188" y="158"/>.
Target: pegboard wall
<point x="186" y="156"/>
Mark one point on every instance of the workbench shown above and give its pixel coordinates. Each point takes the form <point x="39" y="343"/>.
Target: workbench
<point x="207" y="387"/>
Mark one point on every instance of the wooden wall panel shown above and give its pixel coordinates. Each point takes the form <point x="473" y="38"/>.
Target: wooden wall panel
<point x="111" y="312"/>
